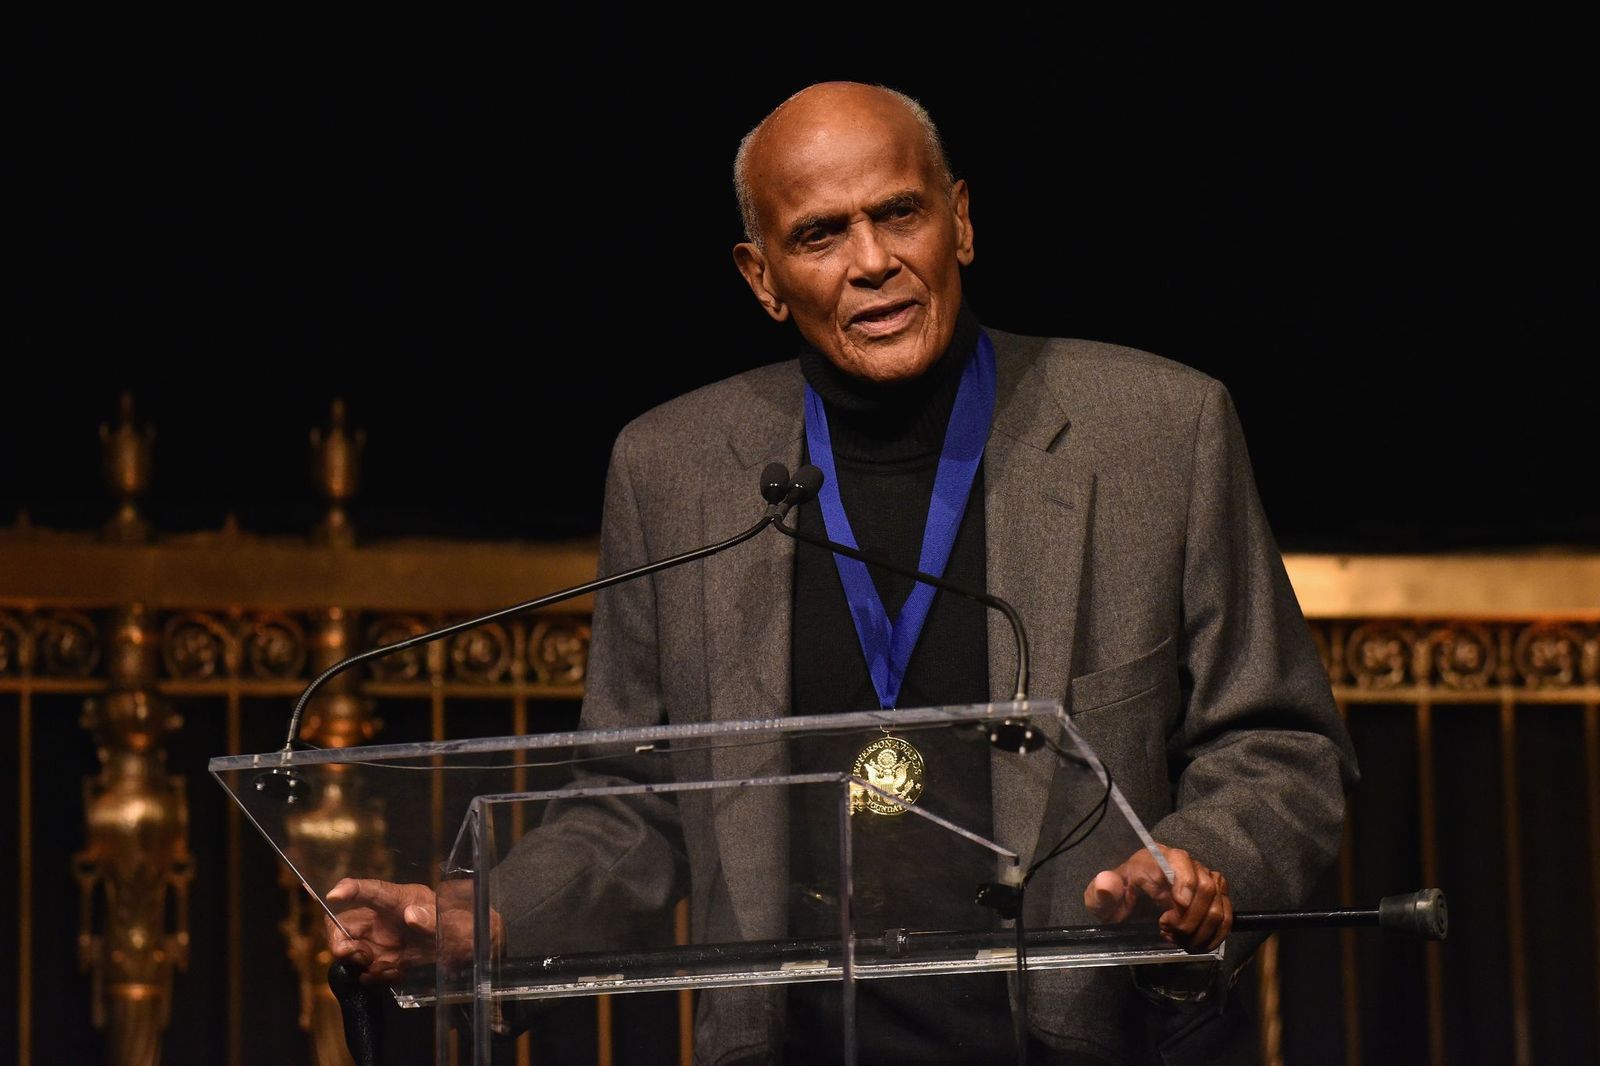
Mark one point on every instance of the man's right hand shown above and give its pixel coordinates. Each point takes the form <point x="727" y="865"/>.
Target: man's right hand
<point x="1194" y="911"/>
<point x="390" y="926"/>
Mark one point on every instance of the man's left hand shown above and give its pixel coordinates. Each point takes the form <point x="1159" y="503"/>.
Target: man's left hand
<point x="1194" y="911"/>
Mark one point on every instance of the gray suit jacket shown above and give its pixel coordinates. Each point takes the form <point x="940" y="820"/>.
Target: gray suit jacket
<point x="1123" y="523"/>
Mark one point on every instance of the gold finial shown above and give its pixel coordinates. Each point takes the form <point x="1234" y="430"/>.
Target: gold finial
<point x="125" y="453"/>
<point x="336" y="469"/>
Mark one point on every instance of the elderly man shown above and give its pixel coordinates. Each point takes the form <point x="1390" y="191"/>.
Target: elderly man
<point x="1113" y="506"/>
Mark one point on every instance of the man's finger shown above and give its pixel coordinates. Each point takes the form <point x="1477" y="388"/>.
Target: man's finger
<point x="1207" y="935"/>
<point x="342" y="945"/>
<point x="346" y="948"/>
<point x="421" y="918"/>
<point x="1184" y="876"/>
<point x="1226" y="925"/>
<point x="352" y="952"/>
<point x="355" y="923"/>
<point x="1105" y="896"/>
<point x="367" y="890"/>
<point x="1189" y="921"/>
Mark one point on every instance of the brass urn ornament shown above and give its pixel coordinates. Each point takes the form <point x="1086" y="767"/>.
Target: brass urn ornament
<point x="125" y="456"/>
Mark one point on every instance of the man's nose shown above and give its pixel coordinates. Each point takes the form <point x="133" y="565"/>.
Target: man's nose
<point x="872" y="261"/>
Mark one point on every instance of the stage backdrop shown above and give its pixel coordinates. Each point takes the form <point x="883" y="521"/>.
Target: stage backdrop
<point x="498" y="241"/>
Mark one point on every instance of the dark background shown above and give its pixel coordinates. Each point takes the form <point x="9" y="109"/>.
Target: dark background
<point x="499" y="241"/>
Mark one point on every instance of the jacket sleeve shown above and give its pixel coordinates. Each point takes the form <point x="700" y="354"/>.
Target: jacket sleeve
<point x="1260" y="761"/>
<point x="604" y="871"/>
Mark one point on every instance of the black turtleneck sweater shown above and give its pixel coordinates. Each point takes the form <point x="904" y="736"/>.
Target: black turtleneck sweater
<point x="910" y="874"/>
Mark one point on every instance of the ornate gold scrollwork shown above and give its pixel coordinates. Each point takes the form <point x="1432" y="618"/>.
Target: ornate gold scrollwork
<point x="66" y="645"/>
<point x="16" y="645"/>
<point x="1466" y="656"/>
<point x="135" y="868"/>
<point x="1463" y="655"/>
<point x="408" y="665"/>
<point x="1380" y="653"/>
<point x="275" y="647"/>
<point x="482" y="655"/>
<point x="1549" y="656"/>
<point x="197" y="647"/>
<point x="558" y="650"/>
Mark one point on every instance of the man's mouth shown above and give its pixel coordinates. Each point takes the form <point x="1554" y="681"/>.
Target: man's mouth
<point x="885" y="318"/>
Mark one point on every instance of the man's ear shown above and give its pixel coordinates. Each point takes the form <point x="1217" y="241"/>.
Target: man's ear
<point x="958" y="205"/>
<point x="752" y="263"/>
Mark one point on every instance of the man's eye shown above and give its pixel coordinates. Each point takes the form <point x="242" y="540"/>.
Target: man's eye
<point x="815" y="236"/>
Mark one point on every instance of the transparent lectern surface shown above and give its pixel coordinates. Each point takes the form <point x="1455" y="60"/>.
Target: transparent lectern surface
<point x="829" y="848"/>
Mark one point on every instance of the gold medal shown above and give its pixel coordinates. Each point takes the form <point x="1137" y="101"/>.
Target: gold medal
<point x="892" y="765"/>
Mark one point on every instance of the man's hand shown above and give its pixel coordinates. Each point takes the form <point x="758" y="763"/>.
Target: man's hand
<point x="1194" y="912"/>
<point x="391" y="927"/>
<point x="395" y="927"/>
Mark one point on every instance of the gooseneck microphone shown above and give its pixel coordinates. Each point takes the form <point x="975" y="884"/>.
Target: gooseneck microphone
<point x="808" y="480"/>
<point x="785" y="493"/>
<point x="780" y="491"/>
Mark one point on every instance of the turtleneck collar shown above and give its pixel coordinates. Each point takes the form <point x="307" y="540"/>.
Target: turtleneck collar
<point x="881" y="423"/>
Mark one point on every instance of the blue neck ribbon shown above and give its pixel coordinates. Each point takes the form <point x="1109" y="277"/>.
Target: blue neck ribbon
<point x="888" y="644"/>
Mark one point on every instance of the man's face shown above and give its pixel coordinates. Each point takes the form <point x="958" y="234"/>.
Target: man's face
<point x="862" y="240"/>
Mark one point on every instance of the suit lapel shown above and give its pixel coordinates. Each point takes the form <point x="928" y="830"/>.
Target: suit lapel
<point x="1038" y="502"/>
<point x="748" y="611"/>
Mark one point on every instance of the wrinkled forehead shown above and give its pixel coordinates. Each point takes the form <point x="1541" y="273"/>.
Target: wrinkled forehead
<point x="812" y="164"/>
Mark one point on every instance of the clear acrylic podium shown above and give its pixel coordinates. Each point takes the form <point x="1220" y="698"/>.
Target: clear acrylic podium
<point x="840" y="848"/>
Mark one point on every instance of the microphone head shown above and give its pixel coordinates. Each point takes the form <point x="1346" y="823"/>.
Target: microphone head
<point x="806" y="484"/>
<point x="774" y="482"/>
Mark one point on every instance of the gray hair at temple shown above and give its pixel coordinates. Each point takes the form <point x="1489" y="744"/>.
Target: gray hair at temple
<point x="741" y="183"/>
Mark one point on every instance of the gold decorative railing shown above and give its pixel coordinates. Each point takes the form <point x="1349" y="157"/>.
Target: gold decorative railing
<point x="168" y="650"/>
<point x="1490" y="640"/>
<point x="133" y="629"/>
<point x="135" y="664"/>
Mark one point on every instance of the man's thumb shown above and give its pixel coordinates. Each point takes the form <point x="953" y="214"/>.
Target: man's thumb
<point x="1105" y="893"/>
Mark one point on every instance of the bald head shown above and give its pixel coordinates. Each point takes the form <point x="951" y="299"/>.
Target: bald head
<point x="812" y="113"/>
<point x="856" y="231"/>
